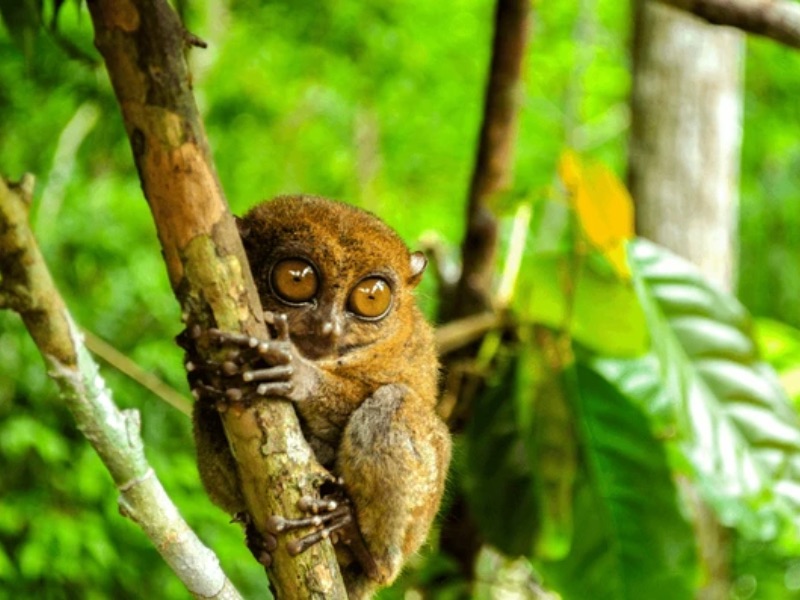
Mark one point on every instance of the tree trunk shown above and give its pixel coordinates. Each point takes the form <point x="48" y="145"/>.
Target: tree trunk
<point x="684" y="170"/>
<point x="686" y="136"/>
<point x="493" y="171"/>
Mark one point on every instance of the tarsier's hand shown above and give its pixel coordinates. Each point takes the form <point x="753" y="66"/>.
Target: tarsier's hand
<point x="249" y="367"/>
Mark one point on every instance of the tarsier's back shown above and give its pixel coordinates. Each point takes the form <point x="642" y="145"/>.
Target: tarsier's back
<point x="358" y="361"/>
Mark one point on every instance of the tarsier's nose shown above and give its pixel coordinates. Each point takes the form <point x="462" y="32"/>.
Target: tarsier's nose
<point x="331" y="327"/>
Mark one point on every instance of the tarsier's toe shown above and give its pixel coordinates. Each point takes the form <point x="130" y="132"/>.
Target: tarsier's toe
<point x="260" y="546"/>
<point x="310" y="504"/>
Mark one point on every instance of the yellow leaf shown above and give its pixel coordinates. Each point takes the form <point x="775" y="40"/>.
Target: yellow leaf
<point x="602" y="206"/>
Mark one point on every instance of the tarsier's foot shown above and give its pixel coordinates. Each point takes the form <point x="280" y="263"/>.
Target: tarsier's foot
<point x="261" y="546"/>
<point x="331" y="516"/>
<point x="248" y="368"/>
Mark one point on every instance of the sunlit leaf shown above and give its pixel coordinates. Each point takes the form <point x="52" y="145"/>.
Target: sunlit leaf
<point x="731" y="426"/>
<point x="780" y="346"/>
<point x="633" y="542"/>
<point x="603" y="207"/>
<point x="573" y="287"/>
<point x="600" y="311"/>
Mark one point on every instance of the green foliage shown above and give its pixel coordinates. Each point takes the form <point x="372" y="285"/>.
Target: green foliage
<point x="629" y="539"/>
<point x="499" y="478"/>
<point x="770" y="214"/>
<point x="379" y="105"/>
<point x="707" y="390"/>
<point x="632" y="540"/>
<point x="700" y="405"/>
<point x="581" y="294"/>
<point x="780" y="346"/>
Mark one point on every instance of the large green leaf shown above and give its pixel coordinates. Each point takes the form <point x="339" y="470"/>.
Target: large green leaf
<point x="633" y="541"/>
<point x="499" y="476"/>
<point x="730" y="425"/>
<point x="521" y="456"/>
<point x="607" y="527"/>
<point x="576" y="289"/>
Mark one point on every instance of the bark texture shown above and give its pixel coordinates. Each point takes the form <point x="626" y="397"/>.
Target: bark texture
<point x="26" y="287"/>
<point x="686" y="136"/>
<point x="142" y="43"/>
<point x="684" y="174"/>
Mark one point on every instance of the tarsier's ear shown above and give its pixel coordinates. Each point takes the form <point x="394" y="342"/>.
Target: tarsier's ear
<point x="241" y="225"/>
<point x="418" y="262"/>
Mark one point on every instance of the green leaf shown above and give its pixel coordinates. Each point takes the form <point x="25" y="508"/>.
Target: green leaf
<point x="552" y="442"/>
<point x="780" y="345"/>
<point x="7" y="569"/>
<point x="498" y="478"/>
<point x="633" y="542"/>
<point x="578" y="293"/>
<point x="22" y="19"/>
<point x="729" y="422"/>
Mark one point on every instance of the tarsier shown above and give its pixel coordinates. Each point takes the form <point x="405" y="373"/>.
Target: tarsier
<point x="354" y="354"/>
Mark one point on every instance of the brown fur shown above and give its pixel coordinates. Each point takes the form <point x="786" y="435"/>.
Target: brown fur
<point x="366" y="398"/>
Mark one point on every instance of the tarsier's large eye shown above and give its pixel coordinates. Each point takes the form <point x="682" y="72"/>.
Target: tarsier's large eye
<point x="370" y="298"/>
<point x="294" y="280"/>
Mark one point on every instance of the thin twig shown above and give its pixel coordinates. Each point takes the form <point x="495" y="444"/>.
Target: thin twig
<point x="455" y="335"/>
<point x="114" y="434"/>
<point x="125" y="365"/>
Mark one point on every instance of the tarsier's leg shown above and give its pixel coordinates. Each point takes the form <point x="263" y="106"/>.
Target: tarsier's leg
<point x="214" y="460"/>
<point x="393" y="458"/>
<point x="215" y="463"/>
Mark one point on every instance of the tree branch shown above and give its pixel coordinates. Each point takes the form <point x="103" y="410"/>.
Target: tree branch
<point x="494" y="163"/>
<point x="125" y="365"/>
<point x="776" y="19"/>
<point x="114" y="435"/>
<point x="142" y="43"/>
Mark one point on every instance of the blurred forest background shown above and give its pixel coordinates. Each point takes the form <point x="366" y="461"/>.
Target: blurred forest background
<point x="380" y="105"/>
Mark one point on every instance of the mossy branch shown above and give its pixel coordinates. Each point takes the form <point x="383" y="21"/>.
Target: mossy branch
<point x="143" y="44"/>
<point x="27" y="286"/>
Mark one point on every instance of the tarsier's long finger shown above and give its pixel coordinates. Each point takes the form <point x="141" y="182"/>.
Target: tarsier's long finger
<point x="309" y="504"/>
<point x="302" y="544"/>
<point x="240" y="339"/>
<point x="201" y="389"/>
<point x="261" y="546"/>
<point x="280" y="323"/>
<point x="275" y="388"/>
<point x="275" y="353"/>
<point x="279" y="373"/>
<point x="277" y="524"/>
